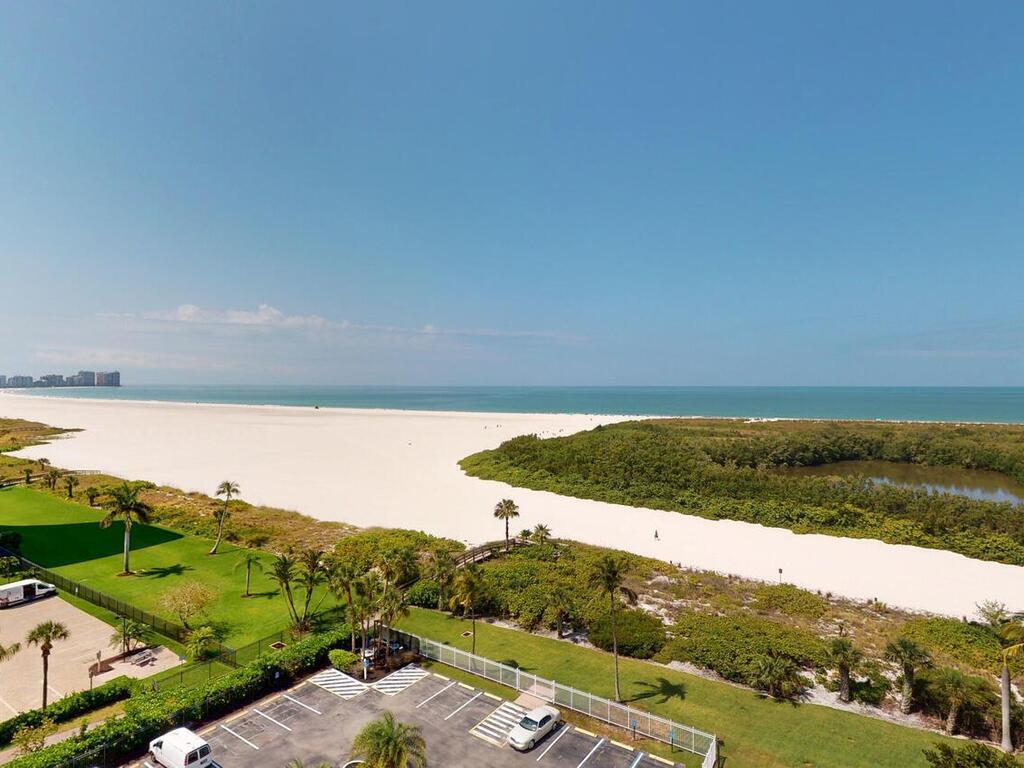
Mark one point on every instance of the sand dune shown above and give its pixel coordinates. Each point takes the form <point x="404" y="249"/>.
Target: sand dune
<point x="399" y="468"/>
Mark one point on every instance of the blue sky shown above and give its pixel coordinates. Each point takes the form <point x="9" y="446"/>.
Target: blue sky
<point x="518" y="193"/>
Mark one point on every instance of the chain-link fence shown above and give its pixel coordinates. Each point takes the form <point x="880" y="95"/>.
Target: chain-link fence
<point x="636" y="721"/>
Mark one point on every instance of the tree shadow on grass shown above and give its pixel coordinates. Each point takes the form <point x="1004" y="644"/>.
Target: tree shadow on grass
<point x="53" y="546"/>
<point x="162" y="572"/>
<point x="663" y="688"/>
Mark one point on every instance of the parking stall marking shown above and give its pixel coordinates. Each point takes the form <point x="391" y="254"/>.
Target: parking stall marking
<point x="463" y="705"/>
<point x="240" y="738"/>
<point x="301" y="704"/>
<point x="590" y="754"/>
<point x="339" y="683"/>
<point x="434" y="695"/>
<point x="268" y="717"/>
<point x="495" y="727"/>
<point x="562" y="731"/>
<point x="398" y="681"/>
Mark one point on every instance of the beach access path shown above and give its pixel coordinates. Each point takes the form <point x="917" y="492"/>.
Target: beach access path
<point x="400" y="469"/>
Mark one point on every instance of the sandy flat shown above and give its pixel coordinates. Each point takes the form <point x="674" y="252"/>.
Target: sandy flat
<point x="399" y="469"/>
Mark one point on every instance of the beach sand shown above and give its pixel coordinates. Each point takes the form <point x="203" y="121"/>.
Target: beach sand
<point x="400" y="469"/>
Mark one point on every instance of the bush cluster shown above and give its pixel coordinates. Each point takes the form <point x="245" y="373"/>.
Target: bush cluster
<point x="424" y="593"/>
<point x="69" y="707"/>
<point x="727" y="470"/>
<point x="342" y="659"/>
<point x="731" y="645"/>
<point x="790" y="600"/>
<point x="149" y="714"/>
<point x="639" y="634"/>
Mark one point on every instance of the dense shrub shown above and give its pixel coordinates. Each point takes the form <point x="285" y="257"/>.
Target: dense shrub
<point x="424" y="593"/>
<point x="149" y="714"/>
<point x="979" y="707"/>
<point x="969" y="755"/>
<point x="790" y="600"/>
<point x="69" y="707"/>
<point x="971" y="645"/>
<point x="342" y="659"/>
<point x="730" y="645"/>
<point x="639" y="634"/>
<point x="723" y="469"/>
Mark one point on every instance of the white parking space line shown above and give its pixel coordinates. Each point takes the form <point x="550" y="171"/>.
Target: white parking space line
<point x="240" y="738"/>
<point x="464" y="705"/>
<point x="639" y="757"/>
<point x="296" y="701"/>
<point x="561" y="733"/>
<point x="434" y="695"/>
<point x="591" y="753"/>
<point x="275" y="722"/>
<point x="398" y="681"/>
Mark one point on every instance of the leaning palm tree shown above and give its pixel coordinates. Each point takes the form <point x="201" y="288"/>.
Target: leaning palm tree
<point x="227" y="489"/>
<point x="505" y="510"/>
<point x="124" y="504"/>
<point x="45" y="635"/>
<point x="844" y="657"/>
<point x="910" y="657"/>
<point x="610" y="578"/>
<point x="284" y="570"/>
<point x="540" y="534"/>
<point x="387" y="743"/>
<point x="250" y="559"/>
<point x="469" y="591"/>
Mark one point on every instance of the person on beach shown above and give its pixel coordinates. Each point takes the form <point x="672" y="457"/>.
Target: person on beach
<point x="655" y="533"/>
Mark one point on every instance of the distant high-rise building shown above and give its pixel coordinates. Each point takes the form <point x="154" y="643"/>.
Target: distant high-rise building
<point x="19" y="381"/>
<point x="3" y="380"/>
<point x="52" y="380"/>
<point x="82" y="379"/>
<point x="108" y="379"/>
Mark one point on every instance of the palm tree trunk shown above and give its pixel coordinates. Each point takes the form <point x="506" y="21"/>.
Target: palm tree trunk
<point x="908" y="692"/>
<point x="558" y="625"/>
<point x="1004" y="685"/>
<point x="351" y="626"/>
<point x="615" y="651"/>
<point x="954" y="710"/>
<point x="248" y="576"/>
<point x="127" y="545"/>
<point x="220" y="533"/>
<point x="46" y="674"/>
<point x="472" y="617"/>
<point x="844" y="685"/>
<point x="506" y="535"/>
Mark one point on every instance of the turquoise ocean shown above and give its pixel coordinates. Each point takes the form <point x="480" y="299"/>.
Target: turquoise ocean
<point x="992" y="404"/>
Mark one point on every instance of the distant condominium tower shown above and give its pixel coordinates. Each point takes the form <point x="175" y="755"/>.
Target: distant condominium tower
<point x="19" y="381"/>
<point x="108" y="379"/>
<point x="82" y="379"/>
<point x="3" y="380"/>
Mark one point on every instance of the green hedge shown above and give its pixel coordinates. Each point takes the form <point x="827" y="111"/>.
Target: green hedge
<point x="342" y="659"/>
<point x="69" y="707"/>
<point x="639" y="634"/>
<point x="148" y="715"/>
<point x="424" y="593"/>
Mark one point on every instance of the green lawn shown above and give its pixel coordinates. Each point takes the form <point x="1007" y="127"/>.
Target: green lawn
<point x="755" y="733"/>
<point x="66" y="537"/>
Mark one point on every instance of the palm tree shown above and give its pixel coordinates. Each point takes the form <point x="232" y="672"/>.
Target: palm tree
<point x="250" y="559"/>
<point x="442" y="571"/>
<point x="70" y="481"/>
<point x="129" y="635"/>
<point x="312" y="573"/>
<point x="395" y="564"/>
<point x="1010" y="633"/>
<point x="91" y="494"/>
<point x="125" y="504"/>
<point x="283" y="570"/>
<point x="911" y="657"/>
<point x="342" y="583"/>
<point x="227" y="489"/>
<point x="505" y="510"/>
<point x="364" y="603"/>
<point x="387" y="743"/>
<point x="777" y="674"/>
<point x="28" y="475"/>
<point x="42" y="463"/>
<point x="955" y="687"/>
<point x="52" y="476"/>
<point x="8" y="651"/>
<point x="610" y="578"/>
<point x="844" y="657"/>
<point x="540" y="534"/>
<point x="469" y="591"/>
<point x="393" y="606"/>
<point x="563" y="602"/>
<point x="45" y="635"/>
<point x="198" y="641"/>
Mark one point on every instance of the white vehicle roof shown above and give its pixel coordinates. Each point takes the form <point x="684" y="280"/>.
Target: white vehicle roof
<point x="184" y="737"/>
<point x="538" y="712"/>
<point x="24" y="582"/>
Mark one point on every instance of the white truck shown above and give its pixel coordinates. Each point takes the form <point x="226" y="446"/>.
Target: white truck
<point x="23" y="591"/>
<point x="181" y="748"/>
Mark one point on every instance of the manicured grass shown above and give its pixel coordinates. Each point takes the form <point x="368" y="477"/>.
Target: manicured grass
<point x="755" y="733"/>
<point x="66" y="537"/>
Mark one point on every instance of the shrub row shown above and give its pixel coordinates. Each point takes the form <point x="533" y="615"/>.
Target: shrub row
<point x="149" y="714"/>
<point x="639" y="634"/>
<point x="69" y="707"/>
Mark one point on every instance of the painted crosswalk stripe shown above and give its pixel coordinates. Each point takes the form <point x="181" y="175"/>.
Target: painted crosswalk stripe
<point x="398" y="681"/>
<point x="339" y="683"/>
<point x="495" y="727"/>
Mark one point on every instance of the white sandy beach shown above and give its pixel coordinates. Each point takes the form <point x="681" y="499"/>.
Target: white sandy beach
<point x="399" y="469"/>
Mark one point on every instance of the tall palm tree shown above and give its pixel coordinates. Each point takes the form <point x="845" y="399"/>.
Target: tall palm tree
<point x="283" y="570"/>
<point x="610" y="578"/>
<point x="395" y="564"/>
<point x="250" y="559"/>
<point x="563" y="602"/>
<point x="505" y="510"/>
<point x="911" y="657"/>
<point x="312" y="573"/>
<point x="844" y="657"/>
<point x="393" y="606"/>
<point x="1009" y="632"/>
<point x="469" y="591"/>
<point x="387" y="743"/>
<point x="342" y="582"/>
<point x="442" y="571"/>
<point x="540" y="534"/>
<point x="45" y="635"/>
<point x="124" y="504"/>
<point x="70" y="482"/>
<point x="365" y="595"/>
<point x="227" y="489"/>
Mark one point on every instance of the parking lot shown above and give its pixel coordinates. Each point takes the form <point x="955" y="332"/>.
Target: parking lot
<point x="462" y="726"/>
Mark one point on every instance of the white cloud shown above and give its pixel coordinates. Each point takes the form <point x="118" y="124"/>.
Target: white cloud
<point x="264" y="316"/>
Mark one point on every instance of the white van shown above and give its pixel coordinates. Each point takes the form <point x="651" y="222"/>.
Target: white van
<point x="181" y="748"/>
<point x="24" y="590"/>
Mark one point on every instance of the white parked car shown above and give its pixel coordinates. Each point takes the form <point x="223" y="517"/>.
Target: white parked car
<point x="181" y="748"/>
<point x="535" y="725"/>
